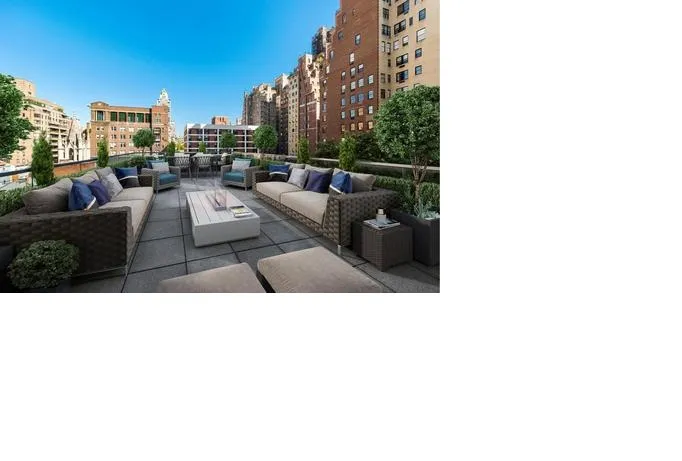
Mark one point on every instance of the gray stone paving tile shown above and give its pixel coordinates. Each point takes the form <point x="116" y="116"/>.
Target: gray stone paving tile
<point x="187" y="226"/>
<point x="261" y="241"/>
<point x="253" y="256"/>
<point x="168" y="198"/>
<point x="201" y="265"/>
<point x="158" y="253"/>
<point x="266" y="215"/>
<point x="147" y="281"/>
<point x="299" y="245"/>
<point x="161" y="229"/>
<point x="282" y="231"/>
<point x="346" y="254"/>
<point x="433" y="271"/>
<point x="305" y="229"/>
<point x="254" y="205"/>
<point x="193" y="252"/>
<point x="164" y="214"/>
<point x="108" y="285"/>
<point x="403" y="279"/>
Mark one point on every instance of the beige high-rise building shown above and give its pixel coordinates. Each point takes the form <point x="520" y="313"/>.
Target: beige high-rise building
<point x="259" y="106"/>
<point x="282" y="108"/>
<point x="292" y="115"/>
<point x="47" y="117"/>
<point x="309" y="95"/>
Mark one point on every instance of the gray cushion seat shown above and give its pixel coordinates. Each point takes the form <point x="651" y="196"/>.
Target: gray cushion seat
<point x="315" y="270"/>
<point x="274" y="189"/>
<point x="310" y="204"/>
<point x="137" y="208"/>
<point x="237" y="278"/>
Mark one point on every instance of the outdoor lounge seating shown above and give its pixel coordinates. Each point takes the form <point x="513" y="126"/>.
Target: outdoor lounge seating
<point x="238" y="178"/>
<point x="162" y="181"/>
<point x="106" y="236"/>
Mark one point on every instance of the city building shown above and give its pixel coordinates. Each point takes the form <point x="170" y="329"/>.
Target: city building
<point x="220" y="120"/>
<point x="196" y="133"/>
<point x="309" y="70"/>
<point x="164" y="100"/>
<point x="47" y="117"/>
<point x="259" y="106"/>
<point x="378" y="47"/>
<point x="292" y="112"/>
<point x="118" y="124"/>
<point x="282" y="108"/>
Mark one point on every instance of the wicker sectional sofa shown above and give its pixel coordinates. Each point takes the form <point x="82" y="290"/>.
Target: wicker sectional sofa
<point x="331" y="214"/>
<point x="106" y="236"/>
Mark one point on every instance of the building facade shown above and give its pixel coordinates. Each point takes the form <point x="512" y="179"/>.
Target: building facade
<point x="292" y="112"/>
<point x="49" y="118"/>
<point x="378" y="47"/>
<point x="259" y="106"/>
<point x="309" y="70"/>
<point x="220" y="120"/>
<point x="118" y="124"/>
<point x="282" y="108"/>
<point x="210" y="134"/>
<point x="164" y="100"/>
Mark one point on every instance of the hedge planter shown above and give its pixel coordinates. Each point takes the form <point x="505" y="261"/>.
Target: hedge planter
<point x="425" y="235"/>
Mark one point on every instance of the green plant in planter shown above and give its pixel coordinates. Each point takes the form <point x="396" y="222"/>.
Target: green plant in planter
<point x="102" y="153"/>
<point x="42" y="163"/>
<point x="137" y="161"/>
<point x="44" y="264"/>
<point x="347" y="153"/>
<point x="303" y="154"/>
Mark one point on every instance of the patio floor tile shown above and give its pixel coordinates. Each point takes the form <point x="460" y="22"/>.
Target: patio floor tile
<point x="108" y="285"/>
<point x="158" y="253"/>
<point x="253" y="256"/>
<point x="242" y="245"/>
<point x="282" y="231"/>
<point x="299" y="245"/>
<point x="147" y="281"/>
<point x="403" y="279"/>
<point x="164" y="214"/>
<point x="201" y="265"/>
<point x="161" y="229"/>
<point x="193" y="252"/>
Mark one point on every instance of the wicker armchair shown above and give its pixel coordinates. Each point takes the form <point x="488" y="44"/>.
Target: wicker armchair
<point x="159" y="182"/>
<point x="245" y="180"/>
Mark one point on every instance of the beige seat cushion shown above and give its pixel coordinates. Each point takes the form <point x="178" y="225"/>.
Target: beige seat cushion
<point x="310" y="204"/>
<point x="51" y="199"/>
<point x="274" y="189"/>
<point x="237" y="278"/>
<point x="315" y="270"/>
<point x="138" y="208"/>
<point x="134" y="193"/>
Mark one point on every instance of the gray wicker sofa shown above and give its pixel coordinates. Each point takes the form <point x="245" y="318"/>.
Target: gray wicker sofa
<point x="330" y="214"/>
<point x="106" y="236"/>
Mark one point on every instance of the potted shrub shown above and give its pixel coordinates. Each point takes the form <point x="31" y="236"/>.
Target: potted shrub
<point x="44" y="266"/>
<point x="408" y="128"/>
<point x="138" y="161"/>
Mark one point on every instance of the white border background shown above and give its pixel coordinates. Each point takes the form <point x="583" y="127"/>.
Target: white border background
<point x="557" y="332"/>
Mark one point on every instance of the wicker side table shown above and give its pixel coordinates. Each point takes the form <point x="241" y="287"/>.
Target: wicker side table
<point x="384" y="248"/>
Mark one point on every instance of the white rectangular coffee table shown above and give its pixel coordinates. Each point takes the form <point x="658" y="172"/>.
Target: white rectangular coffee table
<point x="210" y="227"/>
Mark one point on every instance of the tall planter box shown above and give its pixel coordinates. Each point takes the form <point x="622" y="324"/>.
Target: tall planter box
<point x="425" y="235"/>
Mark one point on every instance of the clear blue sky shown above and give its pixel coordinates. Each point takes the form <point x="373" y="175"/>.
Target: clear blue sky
<point x="206" y="54"/>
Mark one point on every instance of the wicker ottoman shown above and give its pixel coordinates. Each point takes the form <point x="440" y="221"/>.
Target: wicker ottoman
<point x="237" y="278"/>
<point x="315" y="270"/>
<point x="384" y="248"/>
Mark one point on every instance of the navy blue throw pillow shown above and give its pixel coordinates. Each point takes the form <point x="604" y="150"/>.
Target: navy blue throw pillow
<point x="342" y="183"/>
<point x="279" y="172"/>
<point x="127" y="177"/>
<point x="100" y="192"/>
<point x="80" y="197"/>
<point x="318" y="182"/>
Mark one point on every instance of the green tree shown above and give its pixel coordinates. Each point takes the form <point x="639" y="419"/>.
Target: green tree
<point x="180" y="146"/>
<point x="265" y="138"/>
<point x="303" y="154"/>
<point x="13" y="127"/>
<point x="228" y="141"/>
<point x="170" y="148"/>
<point x="347" y="153"/>
<point x="102" y="153"/>
<point x="368" y="149"/>
<point x="202" y="147"/>
<point x="328" y="149"/>
<point x="42" y="165"/>
<point x="408" y="127"/>
<point x="144" y="138"/>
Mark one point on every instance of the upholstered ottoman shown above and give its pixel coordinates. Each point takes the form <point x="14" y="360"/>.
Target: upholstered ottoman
<point x="237" y="278"/>
<point x="315" y="270"/>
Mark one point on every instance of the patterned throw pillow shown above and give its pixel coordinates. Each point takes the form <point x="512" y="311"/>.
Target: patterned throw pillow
<point x="298" y="177"/>
<point x="318" y="182"/>
<point x="240" y="164"/>
<point x="113" y="186"/>
<point x="279" y="172"/>
<point x="341" y="183"/>
<point x="80" y="197"/>
<point x="100" y="192"/>
<point x="127" y="177"/>
<point x="161" y="167"/>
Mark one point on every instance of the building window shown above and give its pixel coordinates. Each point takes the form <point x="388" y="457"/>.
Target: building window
<point x="406" y="40"/>
<point x="421" y="34"/>
<point x="370" y="79"/>
<point x="343" y="88"/>
<point x="343" y="115"/>
<point x="357" y="39"/>
<point x="389" y="62"/>
<point x="383" y="78"/>
<point x="361" y="67"/>
<point x="99" y="116"/>
<point x="331" y="54"/>
<point x="340" y="35"/>
<point x="352" y="72"/>
<point x="370" y="94"/>
<point x="352" y="55"/>
<point x="121" y="116"/>
<point x="352" y="85"/>
<point x="396" y="44"/>
<point x="422" y="14"/>
<point x="352" y="114"/>
<point x="404" y="7"/>
<point x="399" y="27"/>
<point x="344" y="18"/>
<point x="343" y="74"/>
<point x="411" y="21"/>
<point x="140" y="118"/>
<point x="343" y="127"/>
<point x="353" y="99"/>
<point x="401" y="76"/>
<point x="361" y="97"/>
<point x="385" y="30"/>
<point x="418" y="53"/>
<point x="131" y="117"/>
<point x="370" y="125"/>
<point x="343" y="102"/>
<point x="361" y="83"/>
<point x="113" y="116"/>
<point x="361" y="126"/>
<point x="418" y="70"/>
<point x="401" y="60"/>
<point x="361" y="111"/>
<point x="352" y="126"/>
<point x="385" y="13"/>
<point x="383" y="93"/>
<point x="370" y="109"/>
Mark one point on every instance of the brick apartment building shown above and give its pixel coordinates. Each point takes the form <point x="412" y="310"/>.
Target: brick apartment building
<point x="282" y="109"/>
<point x="259" y="106"/>
<point x="220" y="120"/>
<point x="118" y="124"/>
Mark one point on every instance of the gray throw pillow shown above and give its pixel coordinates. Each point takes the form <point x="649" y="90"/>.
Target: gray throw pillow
<point x="113" y="186"/>
<point x="298" y="177"/>
<point x="103" y="172"/>
<point x="320" y="170"/>
<point x="161" y="167"/>
<point x="295" y="165"/>
<point x="51" y="199"/>
<point x="240" y="164"/>
<point x="362" y="182"/>
<point x="88" y="177"/>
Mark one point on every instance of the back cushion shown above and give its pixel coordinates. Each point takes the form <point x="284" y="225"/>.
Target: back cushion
<point x="295" y="165"/>
<point x="100" y="192"/>
<point x="318" y="182"/>
<point x="51" y="199"/>
<point x="161" y="167"/>
<point x="80" y="197"/>
<point x="88" y="177"/>
<point x="362" y="182"/>
<point x="298" y="177"/>
<point x="240" y="164"/>
<point x="319" y="170"/>
<point x="103" y="172"/>
<point x="113" y="186"/>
